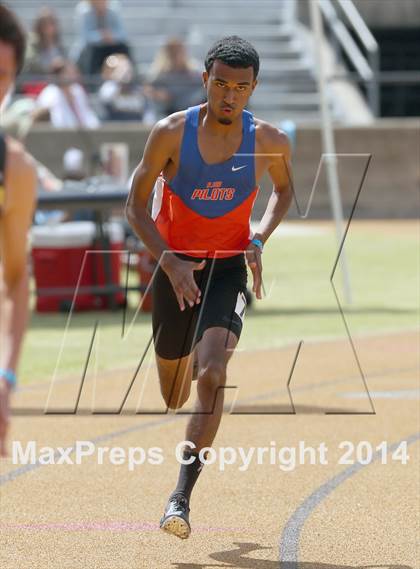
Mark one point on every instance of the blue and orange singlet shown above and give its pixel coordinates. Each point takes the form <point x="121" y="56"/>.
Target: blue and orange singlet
<point x="205" y="210"/>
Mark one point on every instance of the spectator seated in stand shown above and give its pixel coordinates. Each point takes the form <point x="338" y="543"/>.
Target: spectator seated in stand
<point x="45" y="51"/>
<point x="101" y="33"/>
<point x="66" y="101"/>
<point x="120" y="94"/>
<point x="175" y="82"/>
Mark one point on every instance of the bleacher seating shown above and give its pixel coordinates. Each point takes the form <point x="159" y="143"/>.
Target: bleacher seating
<point x="287" y="89"/>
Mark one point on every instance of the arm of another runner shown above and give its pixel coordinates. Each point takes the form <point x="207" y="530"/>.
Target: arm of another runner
<point x="15" y="221"/>
<point x="160" y="146"/>
<point x="277" y="145"/>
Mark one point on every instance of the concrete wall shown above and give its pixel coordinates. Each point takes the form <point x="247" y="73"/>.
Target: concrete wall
<point x="392" y="183"/>
<point x="391" y="187"/>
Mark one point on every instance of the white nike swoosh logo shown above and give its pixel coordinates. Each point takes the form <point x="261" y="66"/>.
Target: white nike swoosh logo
<point x="238" y="168"/>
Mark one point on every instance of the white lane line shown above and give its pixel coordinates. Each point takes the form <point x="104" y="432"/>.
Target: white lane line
<point x="290" y="538"/>
<point x="398" y="394"/>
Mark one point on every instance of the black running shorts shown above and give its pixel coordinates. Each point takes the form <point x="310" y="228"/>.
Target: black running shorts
<point x="223" y="285"/>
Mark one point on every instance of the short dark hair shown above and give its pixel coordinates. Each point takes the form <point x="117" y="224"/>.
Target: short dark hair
<point x="12" y="33"/>
<point x="235" y="52"/>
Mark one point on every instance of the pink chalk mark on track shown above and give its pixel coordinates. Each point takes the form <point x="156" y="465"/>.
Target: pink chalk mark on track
<point x="104" y="526"/>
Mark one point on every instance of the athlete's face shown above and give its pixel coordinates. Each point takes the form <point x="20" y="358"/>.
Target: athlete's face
<point x="7" y="68"/>
<point x="228" y="90"/>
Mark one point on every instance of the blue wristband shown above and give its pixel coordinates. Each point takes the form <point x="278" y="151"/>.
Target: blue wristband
<point x="258" y="243"/>
<point x="9" y="376"/>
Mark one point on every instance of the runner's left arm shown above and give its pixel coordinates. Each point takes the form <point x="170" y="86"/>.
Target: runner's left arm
<point x="277" y="145"/>
<point x="280" y="174"/>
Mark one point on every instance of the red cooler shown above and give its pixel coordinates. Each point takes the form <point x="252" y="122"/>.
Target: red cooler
<point x="58" y="252"/>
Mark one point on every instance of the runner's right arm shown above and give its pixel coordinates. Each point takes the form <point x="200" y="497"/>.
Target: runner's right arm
<point x="157" y="154"/>
<point x="160" y="147"/>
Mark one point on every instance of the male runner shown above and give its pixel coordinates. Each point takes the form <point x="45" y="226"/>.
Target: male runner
<point x="211" y="158"/>
<point x="17" y="200"/>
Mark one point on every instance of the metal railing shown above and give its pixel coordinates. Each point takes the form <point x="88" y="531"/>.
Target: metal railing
<point x="367" y="67"/>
